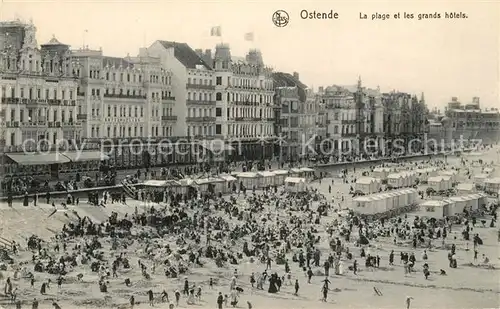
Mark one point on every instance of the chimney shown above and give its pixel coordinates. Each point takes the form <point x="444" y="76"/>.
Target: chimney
<point x="320" y="89"/>
<point x="296" y="75"/>
<point x="475" y="100"/>
<point x="207" y="57"/>
<point x="199" y="52"/>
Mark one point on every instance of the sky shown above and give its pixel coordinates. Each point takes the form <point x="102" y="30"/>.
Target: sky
<point x="440" y="57"/>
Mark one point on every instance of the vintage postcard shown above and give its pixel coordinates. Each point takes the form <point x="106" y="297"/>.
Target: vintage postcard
<point x="260" y="155"/>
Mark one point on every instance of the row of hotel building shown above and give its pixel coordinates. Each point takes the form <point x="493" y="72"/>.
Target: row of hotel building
<point x="50" y="93"/>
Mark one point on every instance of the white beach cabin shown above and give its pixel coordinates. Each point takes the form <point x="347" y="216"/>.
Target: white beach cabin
<point x="249" y="180"/>
<point x="295" y="184"/>
<point x="230" y="180"/>
<point x="479" y="180"/>
<point x="267" y="178"/>
<point x="466" y="188"/>
<point x="492" y="185"/>
<point x="395" y="180"/>
<point x="434" y="209"/>
<point x="439" y="183"/>
<point x="367" y="185"/>
<point x="279" y="177"/>
<point x="204" y="184"/>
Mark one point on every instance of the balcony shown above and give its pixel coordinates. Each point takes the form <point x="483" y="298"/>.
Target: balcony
<point x="169" y="118"/>
<point x="199" y="86"/>
<point x="34" y="124"/>
<point x="124" y="96"/>
<point x="12" y="124"/>
<point x="54" y="102"/>
<point x="200" y="102"/>
<point x="252" y="119"/>
<point x="200" y="119"/>
<point x="81" y="117"/>
<point x="168" y="98"/>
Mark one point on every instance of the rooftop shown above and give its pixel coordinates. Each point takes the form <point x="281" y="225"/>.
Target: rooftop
<point x="185" y="54"/>
<point x="115" y="62"/>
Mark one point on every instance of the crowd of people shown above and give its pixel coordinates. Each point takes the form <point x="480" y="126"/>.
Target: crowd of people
<point x="281" y="234"/>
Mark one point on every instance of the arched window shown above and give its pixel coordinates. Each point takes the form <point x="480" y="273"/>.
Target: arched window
<point x="218" y="96"/>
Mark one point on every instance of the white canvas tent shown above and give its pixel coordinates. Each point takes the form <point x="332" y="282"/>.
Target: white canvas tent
<point x="492" y="185"/>
<point x="279" y="177"/>
<point x="440" y="183"/>
<point x="395" y="180"/>
<point x="267" y="178"/>
<point x="249" y="179"/>
<point x="383" y="202"/>
<point x="203" y="184"/>
<point x="452" y="173"/>
<point x="295" y="184"/>
<point x="466" y="188"/>
<point x="434" y="209"/>
<point x="230" y="180"/>
<point x="480" y="179"/>
<point x="306" y="172"/>
<point x="381" y="173"/>
<point x="367" y="185"/>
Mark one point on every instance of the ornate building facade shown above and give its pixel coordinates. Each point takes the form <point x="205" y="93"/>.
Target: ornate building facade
<point x="244" y="103"/>
<point x="38" y="90"/>
<point x="470" y="121"/>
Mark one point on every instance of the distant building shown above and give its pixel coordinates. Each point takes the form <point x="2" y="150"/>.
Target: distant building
<point x="193" y="86"/>
<point x="38" y="90"/>
<point x="244" y="100"/>
<point x="297" y="116"/>
<point x="469" y="121"/>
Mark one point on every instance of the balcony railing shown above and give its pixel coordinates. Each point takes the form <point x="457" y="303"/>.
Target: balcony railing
<point x="81" y="117"/>
<point x="169" y="118"/>
<point x="168" y="98"/>
<point x="34" y="124"/>
<point x="199" y="86"/>
<point x="252" y="119"/>
<point x="200" y="102"/>
<point x="200" y="119"/>
<point x="12" y="124"/>
<point x="124" y="96"/>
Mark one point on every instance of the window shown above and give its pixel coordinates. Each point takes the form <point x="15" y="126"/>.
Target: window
<point x="218" y="96"/>
<point x="142" y="112"/>
<point x="218" y="80"/>
<point x="218" y="112"/>
<point x="218" y="129"/>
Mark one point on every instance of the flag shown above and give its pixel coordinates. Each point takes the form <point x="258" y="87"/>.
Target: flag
<point x="249" y="36"/>
<point x="216" y="31"/>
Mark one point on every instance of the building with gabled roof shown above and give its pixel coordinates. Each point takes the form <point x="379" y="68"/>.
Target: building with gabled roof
<point x="192" y="85"/>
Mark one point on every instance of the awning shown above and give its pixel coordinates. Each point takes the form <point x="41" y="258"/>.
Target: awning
<point x="79" y="156"/>
<point x="38" y="158"/>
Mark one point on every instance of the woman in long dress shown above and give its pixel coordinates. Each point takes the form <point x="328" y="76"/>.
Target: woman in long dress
<point x="341" y="267"/>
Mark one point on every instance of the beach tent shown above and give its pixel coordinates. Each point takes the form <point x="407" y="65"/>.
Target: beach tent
<point x="492" y="185"/>
<point x="434" y="209"/>
<point x="452" y="173"/>
<point x="480" y="179"/>
<point x="395" y="180"/>
<point x="267" y="178"/>
<point x="460" y="203"/>
<point x="295" y="172"/>
<point x="279" y="177"/>
<point x="381" y="173"/>
<point x="230" y="180"/>
<point x="307" y="172"/>
<point x="466" y="188"/>
<point x="367" y="185"/>
<point x="295" y="184"/>
<point x="204" y="184"/>
<point x="249" y="179"/>
<point x="439" y="183"/>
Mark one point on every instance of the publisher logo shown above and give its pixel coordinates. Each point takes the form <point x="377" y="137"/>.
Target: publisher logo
<point x="281" y="18"/>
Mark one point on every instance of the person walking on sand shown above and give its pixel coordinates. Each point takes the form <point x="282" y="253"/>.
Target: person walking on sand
<point x="296" y="287"/>
<point x="408" y="301"/>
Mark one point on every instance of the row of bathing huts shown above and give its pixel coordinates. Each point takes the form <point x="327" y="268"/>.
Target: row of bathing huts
<point x="295" y="180"/>
<point x="403" y="195"/>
